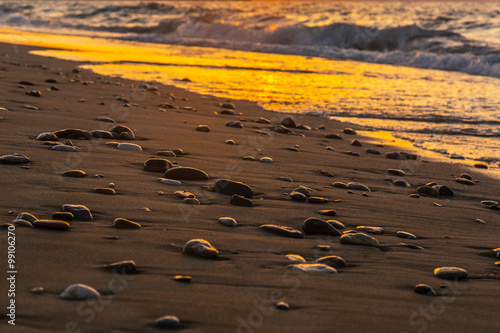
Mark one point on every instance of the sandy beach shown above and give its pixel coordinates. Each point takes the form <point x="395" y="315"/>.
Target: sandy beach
<point x="239" y="290"/>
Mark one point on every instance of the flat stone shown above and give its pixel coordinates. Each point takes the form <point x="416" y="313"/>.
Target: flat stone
<point x="129" y="146"/>
<point x="200" y="248"/>
<point x="157" y="165"/>
<point x="186" y="173"/>
<point x="336" y="224"/>
<point x="80" y="212"/>
<point x="332" y="261"/>
<point x="122" y="223"/>
<point x="428" y="191"/>
<point x="228" y="105"/>
<point x="303" y="190"/>
<point x="395" y="156"/>
<point x="238" y="200"/>
<point x="47" y="136"/>
<point x="122" y="133"/>
<point x="184" y="194"/>
<point x="304" y="127"/>
<point x="26" y="216"/>
<point x="64" y="148"/>
<point x="464" y="181"/>
<point x="22" y="223"/>
<point x="73" y="133"/>
<point x="372" y="151"/>
<point x="282" y="230"/>
<point x="52" y="224"/>
<point x="14" y="159"/>
<point x="167" y="153"/>
<point x="317" y="268"/>
<point x="333" y="136"/>
<point x="359" y="239"/>
<point x="489" y="203"/>
<point x="425" y="290"/>
<point x="281" y="129"/>
<point x="266" y="160"/>
<point x="230" y="142"/>
<point x="289" y="122"/>
<point x="325" y="173"/>
<point x="191" y="201"/>
<point x="231" y="187"/>
<point x="105" y="119"/>
<point x="396" y="172"/>
<point x="295" y="257"/>
<point x="249" y="158"/>
<point x="168" y="322"/>
<point x="480" y="166"/>
<point x="234" y="124"/>
<point x="328" y="212"/>
<point x="339" y="185"/>
<point x="406" y="235"/>
<point x="183" y="278"/>
<point x="262" y="120"/>
<point x="401" y="183"/>
<point x="112" y="143"/>
<point x="74" y="173"/>
<point x="228" y="221"/>
<point x="100" y="134"/>
<point x="317" y="200"/>
<point x="122" y="267"/>
<point x="297" y="196"/>
<point x="104" y="190"/>
<point x="79" y="291"/>
<point x="171" y="182"/>
<point x="411" y="246"/>
<point x="314" y="226"/>
<point x="282" y="306"/>
<point x="450" y="273"/>
<point x="358" y="187"/>
<point x="203" y="128"/>
<point x="465" y="176"/>
<point x="227" y="112"/>
<point x="349" y="131"/>
<point x="371" y="230"/>
<point x="63" y="216"/>
<point x="286" y="179"/>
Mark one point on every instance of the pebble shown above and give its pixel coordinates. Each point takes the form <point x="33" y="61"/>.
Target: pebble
<point x="228" y="105"/>
<point x="26" y="216"/>
<point x="64" y="148"/>
<point x="450" y="273"/>
<point x="428" y="191"/>
<point x="480" y="166"/>
<point x="356" y="143"/>
<point x="34" y="93"/>
<point x="282" y="306"/>
<point x="249" y="158"/>
<point x="191" y="201"/>
<point x="171" y="182"/>
<point x="304" y="127"/>
<point x="122" y="133"/>
<point x="186" y="173"/>
<point x="317" y="200"/>
<point x="373" y="151"/>
<point x="105" y="119"/>
<point x="122" y="267"/>
<point x="282" y="230"/>
<point x="336" y="224"/>
<point x="395" y="156"/>
<point x="37" y="290"/>
<point x="444" y="190"/>
<point x="497" y="252"/>
<point x="371" y="230"/>
<point x="157" y="165"/>
<point x="349" y="131"/>
<point x="328" y="212"/>
<point x="314" y="226"/>
<point x="14" y="159"/>
<point x="73" y="133"/>
<point x="425" y="290"/>
<point x="230" y="142"/>
<point x="319" y="268"/>
<point x="227" y="112"/>
<point x="129" y="146"/>
<point x="100" y="134"/>
<point x="401" y="183"/>
<point x="404" y="234"/>
<point x="51" y="224"/>
<point x="182" y="278"/>
<point x="396" y="172"/>
<point x="351" y="153"/>
<point x="281" y="129"/>
<point x="325" y="173"/>
<point x="332" y="261"/>
<point x="480" y="221"/>
<point x="465" y="176"/>
<point x="333" y="136"/>
<point x="79" y="291"/>
<point x="297" y="196"/>
<point x="112" y="143"/>
<point x="167" y="153"/>
<point x="63" y="216"/>
<point x="262" y="120"/>
<point x="489" y="203"/>
<point x="411" y="246"/>
<point x="235" y="124"/>
<point x="22" y="223"/>
<point x="47" y="136"/>
<point x="323" y="247"/>
<point x="168" y="322"/>
<point x="358" y="187"/>
<point x="200" y="248"/>
<point x="464" y="181"/>
<point x="303" y="190"/>
<point x="228" y="221"/>
<point x="266" y="160"/>
<point x="80" y="212"/>
<point x="104" y="190"/>
<point x="203" y="128"/>
<point x="288" y="122"/>
<point x="339" y="185"/>
<point x="122" y="223"/>
<point x="295" y="257"/>
<point x="238" y="200"/>
<point x="286" y="179"/>
<point x="73" y="173"/>
<point x="359" y="239"/>
<point x="230" y="187"/>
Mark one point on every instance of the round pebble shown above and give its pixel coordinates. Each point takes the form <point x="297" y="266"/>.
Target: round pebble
<point x="200" y="248"/>
<point x="266" y="160"/>
<point x="122" y="223"/>
<point x="79" y="291"/>
<point x="450" y="273"/>
<point x="228" y="221"/>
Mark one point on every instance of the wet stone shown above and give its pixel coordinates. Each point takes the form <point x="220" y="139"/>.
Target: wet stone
<point x="318" y="268"/>
<point x="282" y="230"/>
<point x="73" y="173"/>
<point x="230" y="142"/>
<point x="186" y="173"/>
<point x="47" y="136"/>
<point x="168" y="322"/>
<point x="104" y="190"/>
<point x="373" y="151"/>
<point x="262" y="120"/>
<point x="228" y="221"/>
<point x="425" y="290"/>
<point x="489" y="203"/>
<point x="200" y="248"/>
<point x="51" y="224"/>
<point x="401" y="183"/>
<point x="203" y="128"/>
<point x="444" y="190"/>
<point x="333" y="136"/>
<point x="317" y="200"/>
<point x="171" y="182"/>
<point x="191" y="201"/>
<point x="167" y="153"/>
<point x="295" y="257"/>
<point x="105" y="119"/>
<point x="122" y="132"/>
<point x="22" y="223"/>
<point x="63" y="216"/>
<point x="303" y="190"/>
<point x="80" y="212"/>
<point x="79" y="291"/>
<point x="336" y="224"/>
<point x="122" y="267"/>
<point x="406" y="235"/>
<point x="339" y="185"/>
<point x="64" y="148"/>
<point x="282" y="306"/>
<point x="228" y="105"/>
<point x="14" y="159"/>
<point x="121" y="223"/>
<point x="428" y="191"/>
<point x="332" y="261"/>
<point x="358" y="187"/>
<point x="297" y="196"/>
<point x="182" y="278"/>
<point x="450" y="273"/>
<point x="395" y="156"/>
<point x="289" y="122"/>
<point x="230" y="187"/>
<point x="465" y="176"/>
<point x="73" y="133"/>
<point x="328" y="212"/>
<point x="249" y="158"/>
<point x="227" y="112"/>
<point x="238" y="200"/>
<point x="359" y="239"/>
<point x="464" y="181"/>
<point x="100" y="134"/>
<point x="371" y="230"/>
<point x="129" y="147"/>
<point x="349" y="131"/>
<point x="26" y="216"/>
<point x="480" y="166"/>
<point x="396" y="172"/>
<point x="157" y="165"/>
<point x="266" y="160"/>
<point x="314" y="226"/>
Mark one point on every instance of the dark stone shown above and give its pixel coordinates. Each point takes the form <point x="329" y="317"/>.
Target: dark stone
<point x="297" y="196"/>
<point x="203" y="128"/>
<point x="186" y="173"/>
<point x="288" y="122"/>
<point x="228" y="105"/>
<point x="333" y="136"/>
<point x="409" y="156"/>
<point x="99" y="134"/>
<point x="238" y="200"/>
<point x="34" y="93"/>
<point x="157" y="165"/>
<point x="51" y="224"/>
<point x="428" y="191"/>
<point x="73" y="133"/>
<point x="336" y="224"/>
<point x="332" y="261"/>
<point x="444" y="190"/>
<point x="351" y="153"/>
<point x="303" y="190"/>
<point x="396" y="172"/>
<point x="73" y="173"/>
<point x="480" y="166"/>
<point x="122" y="132"/>
<point x="303" y="127"/>
<point x="406" y="235"/>
<point x="339" y="185"/>
<point x="104" y="190"/>
<point x="373" y="151"/>
<point x="465" y="176"/>
<point x="425" y="290"/>
<point x="228" y="112"/>
<point x="47" y="136"/>
<point x="121" y="223"/>
<point x="63" y="216"/>
<point x="230" y="187"/>
<point x="402" y="183"/>
<point x="14" y="159"/>
<point x="281" y="129"/>
<point x="106" y="119"/>
<point x="200" y="248"/>
<point x="79" y="211"/>
<point x="262" y="120"/>
<point x="356" y="143"/>
<point x="122" y="267"/>
<point x="314" y="226"/>
<point x="349" y="131"/>
<point x="328" y="212"/>
<point x="184" y="194"/>
<point x="464" y="181"/>
<point x="325" y="173"/>
<point x="282" y="230"/>
<point x="235" y="124"/>
<point x="317" y="200"/>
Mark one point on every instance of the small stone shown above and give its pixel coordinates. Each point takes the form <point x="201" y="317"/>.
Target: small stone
<point x="73" y="173"/>
<point x="480" y="221"/>
<point x="104" y="190"/>
<point x="122" y="267"/>
<point x="129" y="146"/>
<point x="282" y="230"/>
<point x="167" y="153"/>
<point x="200" y="248"/>
<point x="314" y="226"/>
<point x="234" y="124"/>
<point x="328" y="212"/>
<point x="351" y="153"/>
<point x="80" y="212"/>
<point x="34" y="93"/>
<point x="297" y="196"/>
<point x="323" y="247"/>
<point x="227" y="112"/>
<point x="489" y="203"/>
<point x="415" y="195"/>
<point x="122" y="223"/>
<point x="100" y="134"/>
<point x="112" y="144"/>
<point x="356" y="143"/>
<point x="282" y="306"/>
<point x="266" y="160"/>
<point x="228" y="221"/>
<point x="262" y="120"/>
<point x="464" y="181"/>
<point x="230" y="142"/>
<point x="105" y="119"/>
<point x="332" y="261"/>
<point x="47" y="136"/>
<point x="111" y="185"/>
<point x="359" y="239"/>
<point x="26" y="216"/>
<point x="182" y="278"/>
<point x="249" y="158"/>
<point x="295" y="257"/>
<point x="339" y="185"/>
<point x="358" y="187"/>
<point x="333" y="136"/>
<point x="425" y="290"/>
<point x="450" y="273"/>
<point x="317" y="200"/>
<point x="79" y="291"/>
<point x="396" y="172"/>
<point x="465" y="176"/>
<point x="157" y="165"/>
<point x="406" y="235"/>
<point x="238" y="200"/>
<point x="330" y="148"/>
<point x="51" y="224"/>
<point x="401" y="183"/>
<point x="371" y="230"/>
<point x="395" y="156"/>
<point x="496" y="252"/>
<point x="319" y="268"/>
<point x="122" y="133"/>
<point x="325" y="173"/>
<point x="171" y="182"/>
<point x="304" y="127"/>
<point x="73" y="133"/>
<point x="14" y="159"/>
<point x="37" y="290"/>
<point x="63" y="216"/>
<point x="480" y="166"/>
<point x="230" y="187"/>
<point x="411" y="246"/>
<point x="22" y="223"/>
<point x="444" y="190"/>
<point x="203" y="128"/>
<point x="336" y="224"/>
<point x="64" y="148"/>
<point x="288" y="122"/>
<point x="373" y="151"/>
<point x="191" y="201"/>
<point x="286" y="179"/>
<point x="303" y="190"/>
<point x="428" y="191"/>
<point x="186" y="173"/>
<point x="349" y="131"/>
<point x="228" y="105"/>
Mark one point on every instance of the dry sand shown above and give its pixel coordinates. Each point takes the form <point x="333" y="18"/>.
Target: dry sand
<point x="236" y="292"/>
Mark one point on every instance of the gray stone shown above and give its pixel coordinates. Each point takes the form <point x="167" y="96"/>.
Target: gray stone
<point x="328" y="212"/>
<point x="358" y="187"/>
<point x="318" y="268"/>
<point x="80" y="212"/>
<point x="359" y="239"/>
<point x="464" y="181"/>
<point x="230" y="187"/>
<point x="428" y="191"/>
<point x="122" y="267"/>
<point x="203" y="128"/>
<point x="47" y="136"/>
<point x="26" y="216"/>
<point x="371" y="230"/>
<point x="450" y="273"/>
<point x="406" y="235"/>
<point x="373" y="151"/>
<point x="14" y="159"/>
<point x="228" y="221"/>
<point x="317" y="200"/>
<point x="122" y="132"/>
<point x="200" y="248"/>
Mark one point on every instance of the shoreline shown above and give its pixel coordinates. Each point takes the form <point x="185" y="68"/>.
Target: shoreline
<point x="237" y="292"/>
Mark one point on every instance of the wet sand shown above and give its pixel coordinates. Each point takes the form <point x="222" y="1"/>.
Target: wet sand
<point x="237" y="291"/>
